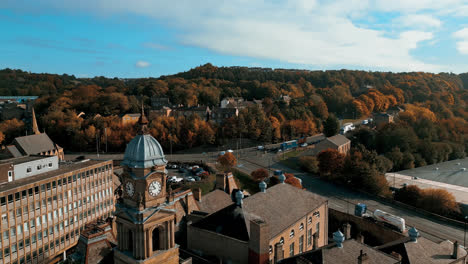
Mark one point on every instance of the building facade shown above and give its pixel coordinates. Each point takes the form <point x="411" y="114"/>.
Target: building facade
<point x="42" y="214"/>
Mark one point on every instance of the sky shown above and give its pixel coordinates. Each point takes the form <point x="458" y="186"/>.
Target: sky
<point x="149" y="38"/>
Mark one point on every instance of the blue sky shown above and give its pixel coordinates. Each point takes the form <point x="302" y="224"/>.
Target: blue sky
<point x="143" y="38"/>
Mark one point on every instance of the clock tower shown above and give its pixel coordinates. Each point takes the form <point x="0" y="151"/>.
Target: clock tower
<point x="145" y="225"/>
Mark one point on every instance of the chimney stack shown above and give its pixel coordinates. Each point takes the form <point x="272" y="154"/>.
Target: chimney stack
<point x="197" y="194"/>
<point x="282" y="178"/>
<point x="363" y="258"/>
<point x="360" y="238"/>
<point x="221" y="181"/>
<point x="456" y="251"/>
<point x="413" y="234"/>
<point x="279" y="254"/>
<point x="259" y="246"/>
<point x="347" y="230"/>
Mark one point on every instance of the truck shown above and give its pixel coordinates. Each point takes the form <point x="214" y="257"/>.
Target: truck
<point x="346" y="128"/>
<point x="380" y="216"/>
<point x="288" y="145"/>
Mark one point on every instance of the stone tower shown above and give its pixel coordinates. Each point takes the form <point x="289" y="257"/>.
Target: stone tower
<point x="145" y="226"/>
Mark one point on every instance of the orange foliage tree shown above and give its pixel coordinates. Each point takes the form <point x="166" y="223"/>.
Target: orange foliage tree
<point x="330" y="162"/>
<point x="259" y="174"/>
<point x="227" y="161"/>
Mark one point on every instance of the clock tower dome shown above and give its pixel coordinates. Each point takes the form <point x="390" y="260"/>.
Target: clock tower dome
<point x="145" y="227"/>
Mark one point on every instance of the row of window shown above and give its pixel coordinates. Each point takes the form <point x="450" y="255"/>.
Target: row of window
<point x="25" y="193"/>
<point x="39" y="167"/>
<point x="43" y="220"/>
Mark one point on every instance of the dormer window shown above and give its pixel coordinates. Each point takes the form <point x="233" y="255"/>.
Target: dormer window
<point x="301" y="227"/>
<point x="291" y="234"/>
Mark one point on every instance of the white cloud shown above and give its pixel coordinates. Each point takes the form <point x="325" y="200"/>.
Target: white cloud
<point x="462" y="43"/>
<point x="142" y="64"/>
<point x="422" y="21"/>
<point x="316" y="33"/>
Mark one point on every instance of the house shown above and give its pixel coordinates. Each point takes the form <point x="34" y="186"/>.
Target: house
<point x="203" y="112"/>
<point x="219" y="114"/>
<point x="285" y="98"/>
<point x="130" y="119"/>
<point x="338" y="142"/>
<point x="231" y="102"/>
<point x="158" y="103"/>
<point x="164" y="111"/>
<point x="383" y="118"/>
<point x="343" y="252"/>
<point x="415" y="249"/>
<point x="262" y="227"/>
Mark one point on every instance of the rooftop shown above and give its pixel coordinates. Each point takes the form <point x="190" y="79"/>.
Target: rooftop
<point x="35" y="144"/>
<point x="214" y="201"/>
<point x="270" y="206"/>
<point x="63" y="168"/>
<point x="338" y="140"/>
<point x="450" y="172"/>
<point x="349" y="253"/>
<point x="21" y="160"/>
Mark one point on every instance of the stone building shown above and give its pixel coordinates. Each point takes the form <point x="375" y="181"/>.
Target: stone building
<point x="277" y="222"/>
<point x="147" y="216"/>
<point x="130" y="119"/>
<point x="45" y="204"/>
<point x="338" y="142"/>
<point x="381" y="119"/>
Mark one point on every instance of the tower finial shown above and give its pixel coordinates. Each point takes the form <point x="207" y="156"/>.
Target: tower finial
<point x="35" y="128"/>
<point x="143" y="121"/>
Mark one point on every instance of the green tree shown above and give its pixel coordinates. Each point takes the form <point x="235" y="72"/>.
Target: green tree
<point x="331" y="126"/>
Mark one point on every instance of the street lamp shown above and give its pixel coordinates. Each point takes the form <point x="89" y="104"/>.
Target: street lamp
<point x="464" y="237"/>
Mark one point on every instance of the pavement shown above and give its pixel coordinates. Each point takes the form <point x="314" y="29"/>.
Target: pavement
<point x="341" y="199"/>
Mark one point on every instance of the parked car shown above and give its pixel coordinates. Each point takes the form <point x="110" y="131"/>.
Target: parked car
<point x="195" y="167"/>
<point x="279" y="150"/>
<point x="365" y="122"/>
<point x="230" y="151"/>
<point x="304" y="145"/>
<point x="199" y="173"/>
<point x="190" y="179"/>
<point x="183" y="170"/>
<point x="197" y="178"/>
<point x="260" y="148"/>
<point x="175" y="179"/>
<point x="173" y="166"/>
<point x="222" y="153"/>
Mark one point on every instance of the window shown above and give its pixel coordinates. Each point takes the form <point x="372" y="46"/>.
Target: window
<point x="48" y="186"/>
<point x="301" y="227"/>
<point x="10" y="176"/>
<point x="281" y="240"/>
<point x="13" y="248"/>
<point x="310" y="220"/>
<point x="46" y="248"/>
<point x="32" y="223"/>
<point x="18" y="212"/>
<point x="301" y="244"/>
<point x="291" y="234"/>
<point x="36" y="190"/>
<point x="4" y="217"/>
<point x="19" y="229"/>
<point x="291" y="249"/>
<point x="317" y="228"/>
<point x="7" y="252"/>
<point x="26" y="242"/>
<point x="270" y="250"/>
<point x="20" y="244"/>
<point x="30" y="191"/>
<point x="39" y="167"/>
<point x="17" y="196"/>
<point x="5" y="235"/>
<point x="12" y="231"/>
<point x="3" y="200"/>
<point x="10" y="198"/>
<point x="50" y="164"/>
<point x="28" y="170"/>
<point x="59" y="182"/>
<point x="54" y="185"/>
<point x="39" y="235"/>
<point x="42" y="187"/>
<point x="309" y="237"/>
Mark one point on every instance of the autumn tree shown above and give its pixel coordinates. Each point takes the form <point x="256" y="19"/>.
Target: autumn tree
<point x="330" y="163"/>
<point x="439" y="201"/>
<point x="259" y="174"/>
<point x="2" y="137"/>
<point x="294" y="182"/>
<point x="309" y="164"/>
<point x="11" y="128"/>
<point x="227" y="161"/>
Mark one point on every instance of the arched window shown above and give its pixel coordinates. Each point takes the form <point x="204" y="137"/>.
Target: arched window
<point x="130" y="241"/>
<point x="291" y="234"/>
<point x="155" y="239"/>
<point x="301" y="227"/>
<point x="282" y="240"/>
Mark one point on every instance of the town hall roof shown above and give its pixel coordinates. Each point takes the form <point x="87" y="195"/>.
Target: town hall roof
<point x="270" y="206"/>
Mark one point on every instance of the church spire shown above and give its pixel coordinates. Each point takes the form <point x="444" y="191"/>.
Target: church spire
<point x="35" y="128"/>
<point x="143" y="122"/>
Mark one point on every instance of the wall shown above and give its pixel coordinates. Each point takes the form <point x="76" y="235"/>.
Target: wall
<point x="374" y="234"/>
<point x="211" y="244"/>
<point x="20" y="170"/>
<point x="4" y="169"/>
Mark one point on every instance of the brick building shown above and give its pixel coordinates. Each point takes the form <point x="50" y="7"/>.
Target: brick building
<point x="277" y="222"/>
<point x="338" y="142"/>
<point x="43" y="208"/>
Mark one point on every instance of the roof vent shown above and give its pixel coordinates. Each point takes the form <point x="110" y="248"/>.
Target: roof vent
<point x="262" y="185"/>
<point x="436" y="168"/>
<point x="239" y="197"/>
<point x="338" y="237"/>
<point x="413" y="234"/>
<point x="458" y="163"/>
<point x="463" y="169"/>
<point x="282" y="178"/>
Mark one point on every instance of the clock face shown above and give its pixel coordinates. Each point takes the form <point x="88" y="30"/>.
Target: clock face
<point x="154" y="188"/>
<point x="130" y="189"/>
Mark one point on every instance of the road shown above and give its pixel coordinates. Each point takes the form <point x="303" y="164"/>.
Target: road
<point x="340" y="199"/>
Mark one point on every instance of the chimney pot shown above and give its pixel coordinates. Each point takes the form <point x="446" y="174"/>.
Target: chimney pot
<point x="347" y="230"/>
<point x="262" y="185"/>
<point x="363" y="258"/>
<point x="239" y="197"/>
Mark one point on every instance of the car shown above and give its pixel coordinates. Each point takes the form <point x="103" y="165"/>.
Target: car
<point x="173" y="166"/>
<point x="199" y="173"/>
<point x="222" y="153"/>
<point x="230" y="151"/>
<point x="260" y="148"/>
<point x="365" y="122"/>
<point x="279" y="150"/>
<point x="195" y="167"/>
<point x="304" y="145"/>
<point x="197" y="178"/>
<point x="175" y="179"/>
<point x="182" y="170"/>
<point x="190" y="179"/>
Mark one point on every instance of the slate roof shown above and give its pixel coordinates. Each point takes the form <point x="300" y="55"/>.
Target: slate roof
<point x="34" y="144"/>
<point x="214" y="201"/>
<point x="14" y="151"/>
<point x="338" y="140"/>
<point x="271" y="207"/>
<point x="348" y="254"/>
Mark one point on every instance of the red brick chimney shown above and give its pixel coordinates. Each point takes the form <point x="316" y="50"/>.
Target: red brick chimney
<point x="221" y="181"/>
<point x="259" y="242"/>
<point x="363" y="258"/>
<point x="197" y="194"/>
